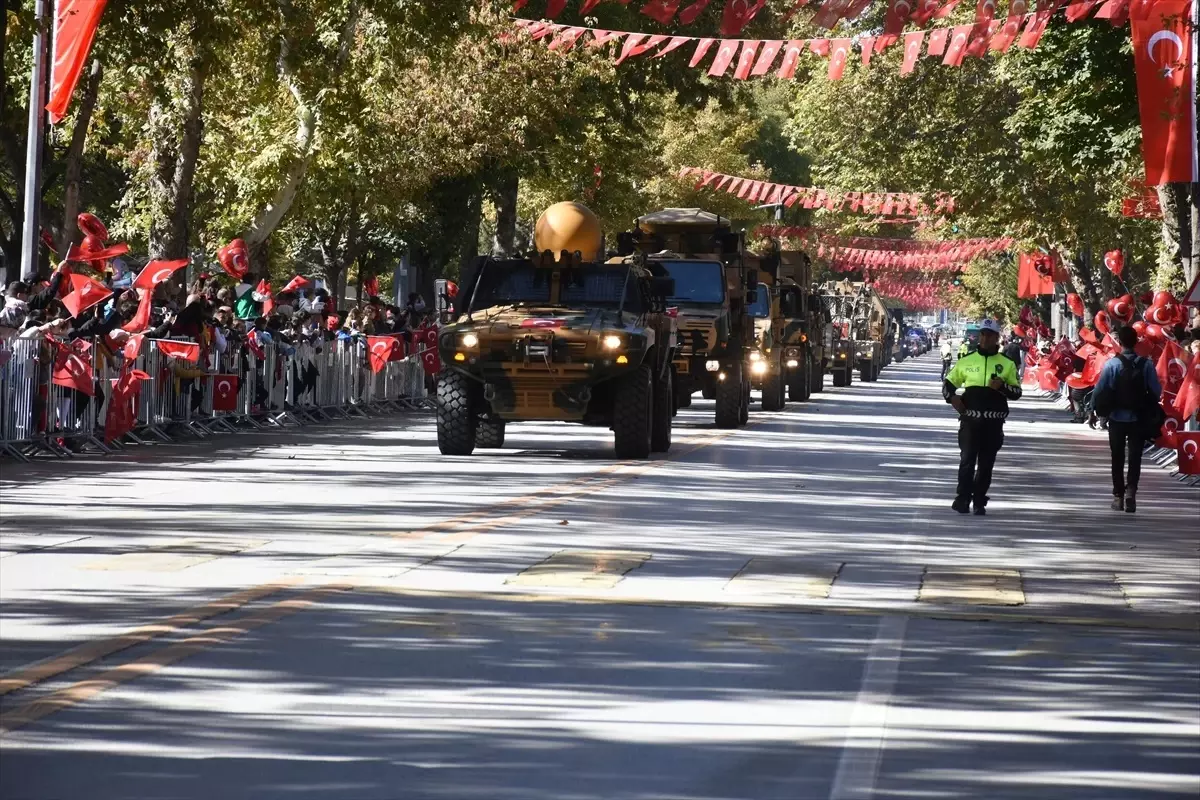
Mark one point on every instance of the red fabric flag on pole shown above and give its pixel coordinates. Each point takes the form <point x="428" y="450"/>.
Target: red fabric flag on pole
<point x="1188" y="448"/>
<point x="225" y="392"/>
<point x="296" y="284"/>
<point x="122" y="407"/>
<point x="791" y="57"/>
<point x="738" y="13"/>
<point x="157" y="272"/>
<point x="662" y="11"/>
<point x="85" y="293"/>
<point x="75" y="25"/>
<point x="1172" y="367"/>
<point x="724" y="57"/>
<point x="837" y="60"/>
<point x="1163" y="57"/>
<point x="73" y="366"/>
<point x="1030" y="282"/>
<point x="379" y="351"/>
<point x="746" y="59"/>
<point x="141" y="320"/>
<point x="766" y="58"/>
<point x="133" y="347"/>
<point x="187" y="351"/>
<point x="912" y="51"/>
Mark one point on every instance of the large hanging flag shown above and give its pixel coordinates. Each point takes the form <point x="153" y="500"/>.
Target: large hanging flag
<point x="1166" y="84"/>
<point x="75" y="24"/>
<point x="737" y="15"/>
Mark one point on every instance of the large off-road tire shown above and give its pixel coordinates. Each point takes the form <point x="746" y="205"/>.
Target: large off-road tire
<point x="744" y="418"/>
<point x="772" y="391"/>
<point x="633" y="412"/>
<point x="800" y="388"/>
<point x="664" y="410"/>
<point x="456" y="420"/>
<point x="864" y="373"/>
<point x="818" y="377"/>
<point x="730" y="398"/>
<point x="709" y="392"/>
<point x="490" y="433"/>
<point x="683" y="392"/>
<point x="842" y="376"/>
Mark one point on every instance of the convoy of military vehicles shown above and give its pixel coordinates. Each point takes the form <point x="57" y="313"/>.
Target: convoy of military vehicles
<point x="623" y="338"/>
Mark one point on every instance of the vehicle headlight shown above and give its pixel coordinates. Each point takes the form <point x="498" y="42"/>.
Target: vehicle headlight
<point x="759" y="368"/>
<point x="470" y="340"/>
<point x="612" y="342"/>
<point x="712" y="366"/>
<point x="792" y="363"/>
<point x="755" y="355"/>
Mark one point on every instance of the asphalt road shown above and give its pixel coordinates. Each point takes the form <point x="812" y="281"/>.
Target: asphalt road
<point x="786" y="611"/>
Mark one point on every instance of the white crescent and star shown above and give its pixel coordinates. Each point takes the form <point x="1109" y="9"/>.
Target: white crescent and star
<point x="906" y="5"/>
<point x="160" y="276"/>
<point x="1190" y="452"/>
<point x="224" y="387"/>
<point x="1164" y="36"/>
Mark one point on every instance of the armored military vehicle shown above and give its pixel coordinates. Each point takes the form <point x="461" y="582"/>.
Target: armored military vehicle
<point x="807" y="338"/>
<point x="561" y="334"/>
<point x="865" y="321"/>
<point x="713" y="286"/>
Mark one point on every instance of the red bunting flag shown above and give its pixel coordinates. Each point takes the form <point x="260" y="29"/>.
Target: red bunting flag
<point x="631" y="42"/>
<point x="912" y="50"/>
<point x="791" y="58"/>
<point x="738" y="13"/>
<point x="702" y="48"/>
<point x="186" y="351"/>
<point x="85" y="292"/>
<point x="746" y="59"/>
<point x="868" y="47"/>
<point x="837" y="61"/>
<point x="937" y="42"/>
<point x="157" y="272"/>
<point x="689" y="14"/>
<point x="958" y="46"/>
<point x="766" y="57"/>
<point x="225" y="392"/>
<point x="897" y="15"/>
<point x="75" y="25"/>
<point x="830" y="12"/>
<point x="1166" y="83"/>
<point x="1035" y="26"/>
<point x="600" y="38"/>
<point x="819" y="47"/>
<point x="554" y="8"/>
<point x="673" y="45"/>
<point x="724" y="57"/>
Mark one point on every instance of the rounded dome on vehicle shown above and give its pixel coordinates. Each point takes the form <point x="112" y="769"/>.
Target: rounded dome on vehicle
<point x="568" y="226"/>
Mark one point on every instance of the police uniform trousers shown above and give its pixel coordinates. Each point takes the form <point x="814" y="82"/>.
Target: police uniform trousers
<point x="979" y="440"/>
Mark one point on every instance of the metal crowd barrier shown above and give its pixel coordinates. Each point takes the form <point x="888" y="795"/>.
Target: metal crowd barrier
<point x="286" y="385"/>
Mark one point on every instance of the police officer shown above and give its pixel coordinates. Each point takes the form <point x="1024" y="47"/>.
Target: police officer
<point x="989" y="381"/>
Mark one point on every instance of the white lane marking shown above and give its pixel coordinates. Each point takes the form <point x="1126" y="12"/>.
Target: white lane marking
<point x="863" y="750"/>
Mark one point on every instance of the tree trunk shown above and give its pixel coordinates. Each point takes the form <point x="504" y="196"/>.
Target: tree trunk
<point x="1191" y="267"/>
<point x="74" y="159"/>
<point x="175" y="171"/>
<point x="470" y="245"/>
<point x="1080" y="268"/>
<point x="505" y="199"/>
<point x="1176" y="227"/>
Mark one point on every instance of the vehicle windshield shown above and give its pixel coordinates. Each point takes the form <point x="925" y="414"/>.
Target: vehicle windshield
<point x="598" y="287"/>
<point x="761" y="307"/>
<point x="697" y="281"/>
<point x="511" y="286"/>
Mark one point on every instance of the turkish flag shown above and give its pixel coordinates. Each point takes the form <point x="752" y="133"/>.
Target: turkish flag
<point x="73" y="366"/>
<point x="689" y="14"/>
<point x="1171" y="425"/>
<point x="958" y="46"/>
<point x="837" y="62"/>
<point x="791" y="57"/>
<point x="157" y="272"/>
<point x="724" y="57"/>
<point x="1035" y="26"/>
<point x="371" y="286"/>
<point x="121" y="417"/>
<point x="738" y="13"/>
<point x="1188" y="447"/>
<point x="601" y="38"/>
<point x="898" y="14"/>
<point x="75" y="24"/>
<point x="1162" y="47"/>
<point x="296" y="284"/>
<point x="702" y="48"/>
<point x="85" y="293"/>
<point x="631" y="42"/>
<point x="264" y="290"/>
<point x="379" y="351"/>
<point x="746" y="59"/>
<point x="225" y="392"/>
<point x="673" y="45"/>
<point x="819" y="47"/>
<point x="554" y="8"/>
<point x="1079" y="9"/>
<point x="985" y="10"/>
<point x="912" y="51"/>
<point x="1187" y="402"/>
<point x="141" y="320"/>
<point x="1031" y="283"/>
<point x="133" y="347"/>
<point x="1115" y="11"/>
<point x="1172" y="367"/>
<point x="937" y="42"/>
<point x="188" y="351"/>
<point x="766" y="57"/>
<point x="234" y="258"/>
<point x="662" y="11"/>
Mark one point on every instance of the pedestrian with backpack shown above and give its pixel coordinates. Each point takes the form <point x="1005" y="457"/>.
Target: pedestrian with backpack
<point x="1128" y="393"/>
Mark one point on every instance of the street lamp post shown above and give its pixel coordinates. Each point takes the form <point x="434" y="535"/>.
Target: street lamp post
<point x="30" y="229"/>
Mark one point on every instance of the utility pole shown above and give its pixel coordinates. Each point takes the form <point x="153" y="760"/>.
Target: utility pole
<point x="31" y="229"/>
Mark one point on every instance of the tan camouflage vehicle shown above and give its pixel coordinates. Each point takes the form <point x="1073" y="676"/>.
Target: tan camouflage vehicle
<point x="560" y="335"/>
<point x="866" y="323"/>
<point x="765" y="358"/>
<point x="807" y="338"/>
<point x="713" y="283"/>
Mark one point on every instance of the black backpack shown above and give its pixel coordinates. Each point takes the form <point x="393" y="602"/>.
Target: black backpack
<point x="1131" y="393"/>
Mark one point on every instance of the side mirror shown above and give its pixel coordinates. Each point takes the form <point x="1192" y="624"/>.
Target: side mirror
<point x="751" y="280"/>
<point x="663" y="285"/>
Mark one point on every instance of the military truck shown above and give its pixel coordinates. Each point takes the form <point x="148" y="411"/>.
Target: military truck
<point x="765" y="357"/>
<point x="807" y="338"/>
<point x="713" y="285"/>
<point x="561" y="334"/>
<point x="867" y="323"/>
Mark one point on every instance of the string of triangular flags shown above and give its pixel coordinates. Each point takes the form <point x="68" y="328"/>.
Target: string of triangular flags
<point x="888" y="204"/>
<point x="848" y="253"/>
<point x="758" y="58"/>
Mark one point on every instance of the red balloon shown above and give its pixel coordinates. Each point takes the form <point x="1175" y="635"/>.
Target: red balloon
<point x="1075" y="303"/>
<point x="1162" y="315"/>
<point x="1163" y="298"/>
<point x="1154" y="333"/>
<point x="91" y="225"/>
<point x="1140" y="327"/>
<point x="1089" y="335"/>
<point x="1102" y="322"/>
<point x="1121" y="308"/>
<point x="1115" y="261"/>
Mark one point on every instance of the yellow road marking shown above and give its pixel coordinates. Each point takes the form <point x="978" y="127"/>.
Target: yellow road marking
<point x="972" y="586"/>
<point x="88" y="652"/>
<point x="153" y="662"/>
<point x="785" y="576"/>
